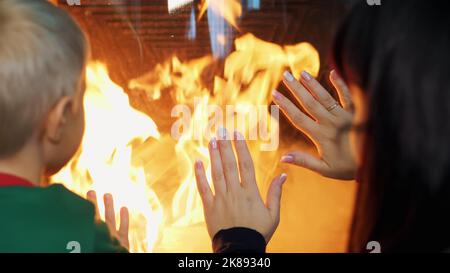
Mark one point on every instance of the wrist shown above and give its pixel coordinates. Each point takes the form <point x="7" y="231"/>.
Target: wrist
<point x="239" y="240"/>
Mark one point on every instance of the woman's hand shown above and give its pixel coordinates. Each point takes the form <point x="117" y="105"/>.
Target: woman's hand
<point x="326" y="125"/>
<point x="236" y="202"/>
<point x="110" y="218"/>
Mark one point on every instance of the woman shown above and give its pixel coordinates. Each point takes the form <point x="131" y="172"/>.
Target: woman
<point x="390" y="131"/>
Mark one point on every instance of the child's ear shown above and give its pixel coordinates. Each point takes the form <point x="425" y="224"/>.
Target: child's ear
<point x="57" y="119"/>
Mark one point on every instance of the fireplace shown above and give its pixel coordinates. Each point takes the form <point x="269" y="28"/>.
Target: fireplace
<point x="151" y="55"/>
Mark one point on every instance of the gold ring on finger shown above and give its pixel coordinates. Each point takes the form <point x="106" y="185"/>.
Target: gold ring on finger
<point x="332" y="107"/>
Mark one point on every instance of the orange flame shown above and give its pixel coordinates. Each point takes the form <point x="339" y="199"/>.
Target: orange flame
<point x="104" y="162"/>
<point x="230" y="10"/>
<point x="250" y="74"/>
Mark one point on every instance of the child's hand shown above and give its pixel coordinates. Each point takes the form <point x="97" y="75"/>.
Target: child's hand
<point x="110" y="218"/>
<point x="326" y="128"/>
<point x="237" y="202"/>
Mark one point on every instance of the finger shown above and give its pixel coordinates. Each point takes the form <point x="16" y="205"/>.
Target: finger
<point x="92" y="196"/>
<point x="124" y="227"/>
<point x="306" y="99"/>
<point x="218" y="177"/>
<point x="320" y="94"/>
<point x="297" y="117"/>
<point x="342" y="90"/>
<point x="202" y="184"/>
<point x="110" y="215"/>
<point x="274" y="196"/>
<point x="245" y="161"/>
<point x="307" y="161"/>
<point x="229" y="163"/>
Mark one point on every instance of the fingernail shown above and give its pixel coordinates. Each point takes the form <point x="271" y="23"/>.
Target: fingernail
<point x="306" y="76"/>
<point x="288" y="76"/>
<point x="283" y="178"/>
<point x="238" y="136"/>
<point x="287" y="159"/>
<point x="213" y="143"/>
<point x="108" y="197"/>
<point x="222" y="133"/>
<point x="276" y="95"/>
<point x="333" y="74"/>
<point x="198" y="164"/>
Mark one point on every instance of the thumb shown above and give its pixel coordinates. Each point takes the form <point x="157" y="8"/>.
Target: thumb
<point x="274" y="196"/>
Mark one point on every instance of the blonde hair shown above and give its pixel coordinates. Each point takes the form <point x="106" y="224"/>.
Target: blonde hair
<point x="43" y="53"/>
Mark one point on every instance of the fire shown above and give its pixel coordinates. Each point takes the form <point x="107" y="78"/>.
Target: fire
<point x="251" y="72"/>
<point x="123" y="152"/>
<point x="104" y="162"/>
<point x="229" y="9"/>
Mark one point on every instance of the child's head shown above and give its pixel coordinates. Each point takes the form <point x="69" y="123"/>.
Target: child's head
<point x="43" y="54"/>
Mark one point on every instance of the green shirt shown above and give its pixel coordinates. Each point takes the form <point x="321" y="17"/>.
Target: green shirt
<point x="49" y="220"/>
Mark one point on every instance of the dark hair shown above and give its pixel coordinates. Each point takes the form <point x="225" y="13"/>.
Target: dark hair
<point x="398" y="54"/>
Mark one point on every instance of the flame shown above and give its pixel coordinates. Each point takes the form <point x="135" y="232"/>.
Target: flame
<point x="104" y="162"/>
<point x="230" y="10"/>
<point x="124" y="153"/>
<point x="251" y="72"/>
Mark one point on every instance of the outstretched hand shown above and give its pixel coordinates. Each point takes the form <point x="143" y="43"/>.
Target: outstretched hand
<point x="236" y="201"/>
<point x="110" y="218"/>
<point x="325" y="121"/>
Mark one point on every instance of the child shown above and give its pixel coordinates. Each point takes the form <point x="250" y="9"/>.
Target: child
<point x="43" y="54"/>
